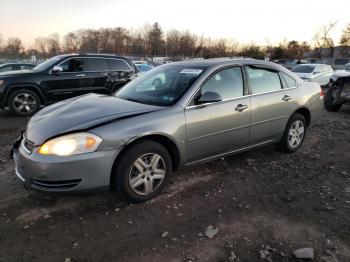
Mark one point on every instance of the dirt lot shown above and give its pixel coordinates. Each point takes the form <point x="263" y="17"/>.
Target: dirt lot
<point x="265" y="205"/>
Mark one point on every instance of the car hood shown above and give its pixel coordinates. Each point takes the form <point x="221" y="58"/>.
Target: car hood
<point x="81" y="113"/>
<point x="16" y="73"/>
<point x="304" y="75"/>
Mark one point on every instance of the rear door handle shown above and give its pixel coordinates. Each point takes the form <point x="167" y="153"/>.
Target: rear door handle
<point x="286" y="98"/>
<point x="80" y="75"/>
<point x="240" y="107"/>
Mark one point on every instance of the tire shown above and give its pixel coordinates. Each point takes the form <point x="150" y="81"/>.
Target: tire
<point x="285" y="145"/>
<point x="328" y="101"/>
<point x="24" y="102"/>
<point x="126" y="173"/>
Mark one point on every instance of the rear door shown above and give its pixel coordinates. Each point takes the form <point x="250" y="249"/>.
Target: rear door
<point x="271" y="103"/>
<point x="120" y="73"/>
<point x="217" y="128"/>
<point x="97" y="74"/>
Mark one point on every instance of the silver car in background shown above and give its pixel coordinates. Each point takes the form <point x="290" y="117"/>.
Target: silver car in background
<point x="173" y="116"/>
<point x="318" y="73"/>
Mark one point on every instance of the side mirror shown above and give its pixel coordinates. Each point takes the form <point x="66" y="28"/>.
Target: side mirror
<point x="57" y="70"/>
<point x="208" y="97"/>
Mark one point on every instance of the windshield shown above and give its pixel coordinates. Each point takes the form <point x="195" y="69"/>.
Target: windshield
<point x="47" y="64"/>
<point x="304" y="69"/>
<point x="346" y="67"/>
<point x="162" y="86"/>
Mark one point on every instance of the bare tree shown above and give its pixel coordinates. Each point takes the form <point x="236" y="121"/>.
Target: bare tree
<point x="322" y="40"/>
<point x="14" y="47"/>
<point x="1" y="42"/>
<point x="41" y="46"/>
<point x="54" y="44"/>
<point x="173" y="42"/>
<point x="71" y="43"/>
<point x="345" y="38"/>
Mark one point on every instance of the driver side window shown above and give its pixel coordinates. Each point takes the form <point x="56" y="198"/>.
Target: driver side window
<point x="73" y="65"/>
<point x="228" y="83"/>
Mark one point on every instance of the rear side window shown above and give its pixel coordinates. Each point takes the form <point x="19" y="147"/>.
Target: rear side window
<point x="97" y="64"/>
<point x="118" y="65"/>
<point x="228" y="83"/>
<point x="6" y="68"/>
<point x="26" y="67"/>
<point x="73" y="65"/>
<point x="263" y="80"/>
<point x="289" y="80"/>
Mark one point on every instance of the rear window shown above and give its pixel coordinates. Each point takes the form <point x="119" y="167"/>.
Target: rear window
<point x="118" y="65"/>
<point x="97" y="64"/>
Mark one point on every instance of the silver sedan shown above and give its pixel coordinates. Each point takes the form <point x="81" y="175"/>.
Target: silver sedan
<point x="173" y="116"/>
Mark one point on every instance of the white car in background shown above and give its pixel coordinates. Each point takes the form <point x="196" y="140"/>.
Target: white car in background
<point x="318" y="73"/>
<point x="345" y="69"/>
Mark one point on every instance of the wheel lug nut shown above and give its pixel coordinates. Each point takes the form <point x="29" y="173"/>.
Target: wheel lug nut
<point x="148" y="179"/>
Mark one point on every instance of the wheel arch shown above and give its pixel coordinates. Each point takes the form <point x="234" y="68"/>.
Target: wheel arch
<point x="305" y="113"/>
<point x="30" y="87"/>
<point x="162" y="139"/>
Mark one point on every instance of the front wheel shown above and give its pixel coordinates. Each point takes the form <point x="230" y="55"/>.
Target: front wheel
<point x="24" y="102"/>
<point x="294" y="134"/>
<point x="142" y="171"/>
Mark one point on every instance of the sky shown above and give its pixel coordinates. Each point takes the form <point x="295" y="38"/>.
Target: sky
<point x="258" y="21"/>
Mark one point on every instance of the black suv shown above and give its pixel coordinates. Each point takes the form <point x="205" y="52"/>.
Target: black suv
<point x="63" y="77"/>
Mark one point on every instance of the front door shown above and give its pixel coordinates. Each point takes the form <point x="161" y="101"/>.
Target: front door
<point x="68" y="83"/>
<point x="220" y="127"/>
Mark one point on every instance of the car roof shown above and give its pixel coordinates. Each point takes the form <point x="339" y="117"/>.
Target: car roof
<point x="94" y="55"/>
<point x="224" y="61"/>
<point x="310" y="64"/>
<point x="218" y="61"/>
<point x="7" y="64"/>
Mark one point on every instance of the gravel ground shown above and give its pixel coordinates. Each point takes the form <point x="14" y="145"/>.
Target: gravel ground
<point x="257" y="206"/>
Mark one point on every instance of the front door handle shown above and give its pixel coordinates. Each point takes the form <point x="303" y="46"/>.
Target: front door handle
<point x="80" y="75"/>
<point x="240" y="107"/>
<point x="286" y="98"/>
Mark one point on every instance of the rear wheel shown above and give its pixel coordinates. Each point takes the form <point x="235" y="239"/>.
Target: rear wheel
<point x="142" y="171"/>
<point x="24" y="102"/>
<point x="329" y="101"/>
<point x="294" y="134"/>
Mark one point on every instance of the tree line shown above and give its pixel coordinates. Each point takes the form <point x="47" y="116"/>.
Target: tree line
<point x="151" y="40"/>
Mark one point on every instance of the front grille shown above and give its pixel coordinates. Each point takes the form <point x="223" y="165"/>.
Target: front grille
<point x="62" y="184"/>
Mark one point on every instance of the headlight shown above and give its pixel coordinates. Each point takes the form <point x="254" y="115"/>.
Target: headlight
<point x="1" y="82"/>
<point x="73" y="144"/>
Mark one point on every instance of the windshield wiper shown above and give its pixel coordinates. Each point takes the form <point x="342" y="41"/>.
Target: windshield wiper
<point x="133" y="100"/>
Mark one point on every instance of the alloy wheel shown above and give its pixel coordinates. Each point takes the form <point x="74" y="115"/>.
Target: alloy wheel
<point x="24" y="103"/>
<point x="147" y="174"/>
<point x="296" y="134"/>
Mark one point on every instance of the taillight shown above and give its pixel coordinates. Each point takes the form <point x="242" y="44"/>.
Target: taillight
<point x="322" y="92"/>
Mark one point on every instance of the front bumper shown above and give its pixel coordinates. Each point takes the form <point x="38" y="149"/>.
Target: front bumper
<point x="78" y="173"/>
